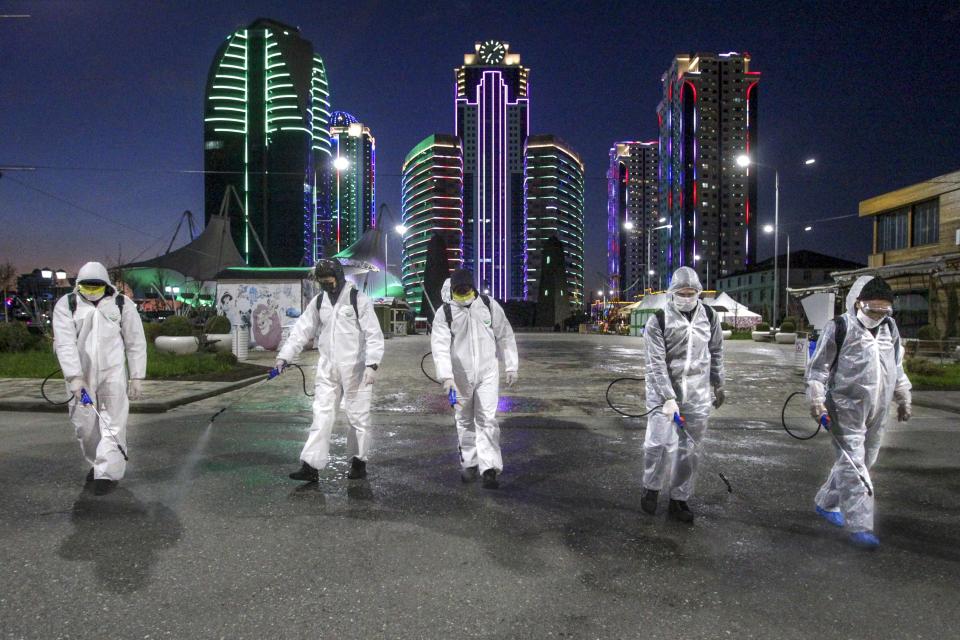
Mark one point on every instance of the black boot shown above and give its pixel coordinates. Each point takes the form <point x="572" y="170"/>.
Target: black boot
<point x="469" y="474"/>
<point x="102" y="486"/>
<point x="89" y="475"/>
<point x="648" y="501"/>
<point x="680" y="511"/>
<point x="358" y="469"/>
<point x="306" y="473"/>
<point x="490" y="479"/>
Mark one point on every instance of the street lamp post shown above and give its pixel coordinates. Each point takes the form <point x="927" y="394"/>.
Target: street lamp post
<point x="745" y="161"/>
<point x="770" y="229"/>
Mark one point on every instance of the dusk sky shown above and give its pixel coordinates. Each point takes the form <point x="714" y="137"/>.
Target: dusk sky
<point x="106" y="100"/>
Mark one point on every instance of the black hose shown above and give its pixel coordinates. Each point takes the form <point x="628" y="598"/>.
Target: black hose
<point x="303" y="376"/>
<point x="422" y="368"/>
<point x="44" y="394"/>
<point x="624" y="414"/>
<point x="783" y="419"/>
<point x="643" y="415"/>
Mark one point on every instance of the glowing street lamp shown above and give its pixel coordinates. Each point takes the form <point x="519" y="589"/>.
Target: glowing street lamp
<point x="341" y="164"/>
<point x="46" y="273"/>
<point x="745" y="161"/>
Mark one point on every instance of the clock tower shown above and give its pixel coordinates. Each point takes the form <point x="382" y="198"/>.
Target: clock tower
<point x="493" y="121"/>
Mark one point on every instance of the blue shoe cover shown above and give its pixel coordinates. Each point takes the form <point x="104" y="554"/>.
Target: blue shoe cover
<point x="833" y="517"/>
<point x="864" y="540"/>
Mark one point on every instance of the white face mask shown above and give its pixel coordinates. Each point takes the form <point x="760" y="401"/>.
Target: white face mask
<point x="866" y="320"/>
<point x="684" y="303"/>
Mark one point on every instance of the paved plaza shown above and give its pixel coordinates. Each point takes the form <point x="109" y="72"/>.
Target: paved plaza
<point x="207" y="538"/>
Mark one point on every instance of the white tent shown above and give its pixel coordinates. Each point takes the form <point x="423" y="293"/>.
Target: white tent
<point x="732" y="312"/>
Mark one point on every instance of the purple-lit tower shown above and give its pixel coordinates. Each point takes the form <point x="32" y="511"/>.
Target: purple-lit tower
<point x="492" y="121"/>
<point x="708" y="117"/>
<point x="632" y="218"/>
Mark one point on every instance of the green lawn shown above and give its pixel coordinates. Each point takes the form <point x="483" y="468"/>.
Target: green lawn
<point x="936" y="377"/>
<point x="38" y="364"/>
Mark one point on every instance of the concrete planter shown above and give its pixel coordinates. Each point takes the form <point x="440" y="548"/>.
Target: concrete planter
<point x="180" y="345"/>
<point x="761" y="336"/>
<point x="786" y="338"/>
<point x="727" y="334"/>
<point x="224" y="341"/>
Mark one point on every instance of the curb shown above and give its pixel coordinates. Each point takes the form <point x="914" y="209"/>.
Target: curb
<point x="929" y="404"/>
<point x="135" y="407"/>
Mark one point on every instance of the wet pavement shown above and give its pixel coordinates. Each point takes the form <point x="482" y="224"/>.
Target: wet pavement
<point x="206" y="537"/>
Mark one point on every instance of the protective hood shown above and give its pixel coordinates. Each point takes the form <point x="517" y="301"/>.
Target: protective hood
<point x="94" y="271"/>
<point x="330" y="267"/>
<point x="445" y="292"/>
<point x="855" y="290"/>
<point x="684" y="278"/>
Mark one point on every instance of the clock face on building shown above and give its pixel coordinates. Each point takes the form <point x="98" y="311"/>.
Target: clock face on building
<point x="492" y="52"/>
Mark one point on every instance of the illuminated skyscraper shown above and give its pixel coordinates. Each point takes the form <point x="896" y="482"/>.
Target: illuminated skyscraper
<point x="432" y="202"/>
<point x="353" y="176"/>
<point x="493" y="120"/>
<point x="554" y="209"/>
<point x="708" y="116"/>
<point x="266" y="133"/>
<point x="632" y="214"/>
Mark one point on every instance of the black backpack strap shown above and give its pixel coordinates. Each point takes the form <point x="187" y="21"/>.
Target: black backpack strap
<point x="448" y="314"/>
<point x="486" y="299"/>
<point x="840" y="334"/>
<point x="319" y="300"/>
<point x="661" y="320"/>
<point x="72" y="302"/>
<point x="353" y="303"/>
<point x="711" y="316"/>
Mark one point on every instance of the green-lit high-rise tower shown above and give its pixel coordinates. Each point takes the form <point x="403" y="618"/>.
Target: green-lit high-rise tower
<point x="266" y="133"/>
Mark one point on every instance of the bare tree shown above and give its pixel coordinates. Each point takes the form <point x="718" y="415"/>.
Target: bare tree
<point x="8" y="278"/>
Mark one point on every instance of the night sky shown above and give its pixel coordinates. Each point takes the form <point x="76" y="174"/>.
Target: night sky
<point x="109" y="95"/>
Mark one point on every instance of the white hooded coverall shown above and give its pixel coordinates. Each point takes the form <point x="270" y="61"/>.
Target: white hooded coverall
<point x="683" y="362"/>
<point x="467" y="353"/>
<point x="94" y="344"/>
<point x="857" y="393"/>
<point x="346" y="345"/>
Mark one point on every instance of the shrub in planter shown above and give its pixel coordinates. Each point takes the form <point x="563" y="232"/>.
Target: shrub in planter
<point x="225" y="358"/>
<point x="14" y="336"/>
<point x="787" y="326"/>
<point x="923" y="367"/>
<point x="726" y="326"/>
<point x="928" y="332"/>
<point x="151" y="330"/>
<point x="763" y="326"/>
<point x="176" y="326"/>
<point x="217" y="324"/>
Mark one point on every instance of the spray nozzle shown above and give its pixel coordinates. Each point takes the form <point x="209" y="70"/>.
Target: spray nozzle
<point x="85" y="397"/>
<point x="679" y="420"/>
<point x="825" y="422"/>
<point x="452" y="397"/>
<point x="273" y="373"/>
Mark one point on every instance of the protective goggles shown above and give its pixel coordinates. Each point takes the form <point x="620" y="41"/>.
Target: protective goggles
<point x="877" y="310"/>
<point x="92" y="290"/>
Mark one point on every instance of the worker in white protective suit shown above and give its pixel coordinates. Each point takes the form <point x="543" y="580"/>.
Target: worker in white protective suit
<point x="855" y="372"/>
<point x="349" y="342"/>
<point x="469" y="332"/>
<point x="684" y="350"/>
<point x="98" y="339"/>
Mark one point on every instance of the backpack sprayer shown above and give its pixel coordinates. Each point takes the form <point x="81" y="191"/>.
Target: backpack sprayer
<point x="678" y="419"/>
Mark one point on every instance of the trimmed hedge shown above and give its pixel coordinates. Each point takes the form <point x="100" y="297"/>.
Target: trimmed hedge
<point x="217" y="324"/>
<point x="928" y="332"/>
<point x="176" y="326"/>
<point x="15" y="337"/>
<point x="787" y="326"/>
